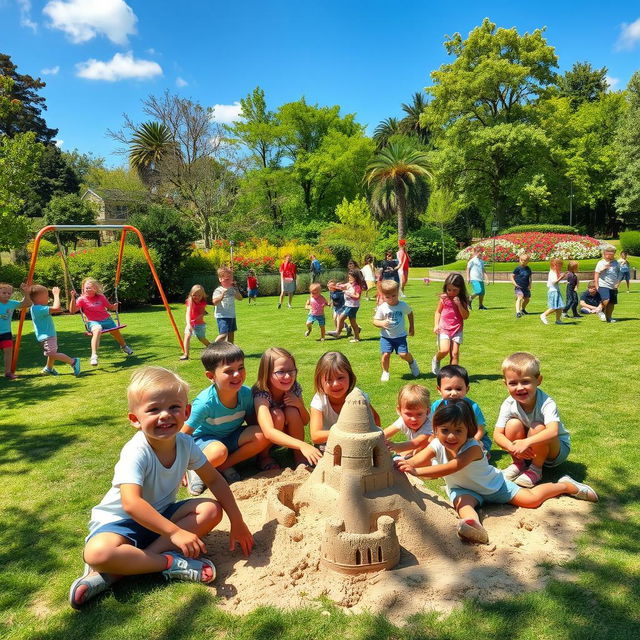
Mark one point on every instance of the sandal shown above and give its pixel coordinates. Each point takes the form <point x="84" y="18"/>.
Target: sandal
<point x="231" y="475"/>
<point x="95" y="584"/>
<point x="472" y="531"/>
<point x="183" y="358"/>
<point x="188" y="569"/>
<point x="268" y="464"/>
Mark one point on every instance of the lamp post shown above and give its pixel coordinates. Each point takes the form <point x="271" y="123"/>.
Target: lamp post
<point x="494" y="230"/>
<point x="571" y="203"/>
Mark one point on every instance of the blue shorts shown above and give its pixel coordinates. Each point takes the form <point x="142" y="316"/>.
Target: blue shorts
<point x="486" y="441"/>
<point x="349" y="312"/>
<point x="337" y="311"/>
<point x="608" y="294"/>
<point x="101" y="324"/>
<point x="199" y="330"/>
<point x="138" y="536"/>
<point x="226" y="325"/>
<point x="230" y="440"/>
<point x="252" y="293"/>
<point x="523" y="292"/>
<point x="554" y="299"/>
<point x="391" y="345"/>
<point x="625" y="276"/>
<point x="478" y="287"/>
<point x="319" y="319"/>
<point x="503" y="495"/>
<point x="563" y="454"/>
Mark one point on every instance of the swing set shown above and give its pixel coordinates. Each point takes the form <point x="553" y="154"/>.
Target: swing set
<point x="67" y="274"/>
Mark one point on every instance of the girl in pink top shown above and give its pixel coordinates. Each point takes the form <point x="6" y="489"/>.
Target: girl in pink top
<point x="352" y="292"/>
<point x="95" y="307"/>
<point x="316" y="304"/>
<point x="451" y="312"/>
<point x="196" y="309"/>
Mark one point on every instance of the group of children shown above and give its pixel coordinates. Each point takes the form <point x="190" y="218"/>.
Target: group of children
<point x="139" y="528"/>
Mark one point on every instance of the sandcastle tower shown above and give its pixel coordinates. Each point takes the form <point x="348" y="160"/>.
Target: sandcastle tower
<point x="356" y="487"/>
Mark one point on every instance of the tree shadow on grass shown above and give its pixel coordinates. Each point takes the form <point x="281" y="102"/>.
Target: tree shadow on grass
<point x="20" y="445"/>
<point x="477" y="377"/>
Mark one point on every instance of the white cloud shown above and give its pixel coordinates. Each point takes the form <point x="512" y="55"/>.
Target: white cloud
<point x="83" y="20"/>
<point x="59" y="143"/>
<point x="50" y="71"/>
<point x="181" y="82"/>
<point x="25" y="15"/>
<point x="226" y="113"/>
<point x="122" y="66"/>
<point x="611" y="82"/>
<point x="629" y="36"/>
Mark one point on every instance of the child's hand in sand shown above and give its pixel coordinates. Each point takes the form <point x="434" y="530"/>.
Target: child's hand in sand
<point x="405" y="467"/>
<point x="188" y="542"/>
<point x="240" y="535"/>
<point x="310" y="453"/>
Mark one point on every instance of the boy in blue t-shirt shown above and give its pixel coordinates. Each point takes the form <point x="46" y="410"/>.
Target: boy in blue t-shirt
<point x="220" y="413"/>
<point x="521" y="278"/>
<point x="453" y="384"/>
<point x="7" y="307"/>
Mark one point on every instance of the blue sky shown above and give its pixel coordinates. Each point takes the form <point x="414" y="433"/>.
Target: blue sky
<point x="101" y="57"/>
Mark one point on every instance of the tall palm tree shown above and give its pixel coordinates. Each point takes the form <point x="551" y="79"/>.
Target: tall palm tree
<point x="151" y="143"/>
<point x="398" y="177"/>
<point x="411" y="122"/>
<point x="387" y="128"/>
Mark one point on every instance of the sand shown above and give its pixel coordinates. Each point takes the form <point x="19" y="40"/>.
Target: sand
<point x="436" y="570"/>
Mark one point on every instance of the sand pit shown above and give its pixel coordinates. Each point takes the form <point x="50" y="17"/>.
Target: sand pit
<point x="436" y="572"/>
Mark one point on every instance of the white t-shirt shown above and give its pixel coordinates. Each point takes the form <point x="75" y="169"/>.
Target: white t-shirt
<point x="139" y="464"/>
<point x="544" y="411"/>
<point x="426" y="429"/>
<point x="552" y="281"/>
<point x="226" y="308"/>
<point x="395" y="314"/>
<point x="320" y="401"/>
<point x="367" y="273"/>
<point x="609" y="273"/>
<point x="476" y="268"/>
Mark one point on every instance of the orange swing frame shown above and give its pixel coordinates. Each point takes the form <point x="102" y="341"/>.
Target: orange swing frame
<point x="124" y="228"/>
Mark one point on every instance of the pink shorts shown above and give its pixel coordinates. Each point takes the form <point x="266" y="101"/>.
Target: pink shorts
<point x="6" y="343"/>
<point x="50" y="346"/>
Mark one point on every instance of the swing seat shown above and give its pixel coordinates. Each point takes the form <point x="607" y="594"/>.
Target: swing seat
<point x="120" y="326"/>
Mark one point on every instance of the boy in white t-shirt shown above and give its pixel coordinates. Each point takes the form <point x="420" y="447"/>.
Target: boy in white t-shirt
<point x="414" y="419"/>
<point x="476" y="276"/>
<point x="389" y="318"/>
<point x="139" y="527"/>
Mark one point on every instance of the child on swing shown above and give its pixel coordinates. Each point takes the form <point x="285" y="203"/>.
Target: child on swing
<point x="95" y="307"/>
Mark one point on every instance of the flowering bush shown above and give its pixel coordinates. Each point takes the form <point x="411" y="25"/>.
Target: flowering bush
<point x="539" y="246"/>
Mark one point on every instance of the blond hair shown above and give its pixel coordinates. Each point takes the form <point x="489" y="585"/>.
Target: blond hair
<point x="195" y="289"/>
<point x="265" y="368"/>
<point x="315" y="287"/>
<point x="555" y="263"/>
<point x="151" y="379"/>
<point x="522" y="363"/>
<point x="223" y="271"/>
<point x="572" y="265"/>
<point x="389" y="286"/>
<point x="6" y="285"/>
<point x="96" y="285"/>
<point x="414" y="396"/>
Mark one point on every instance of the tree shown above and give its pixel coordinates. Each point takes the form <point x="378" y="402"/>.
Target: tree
<point x="442" y="210"/>
<point x="411" y="124"/>
<point x="69" y="209"/>
<point x="150" y="144"/>
<point x="82" y="163"/>
<point x="582" y="83"/>
<point x="22" y="92"/>
<point x="398" y="176"/>
<point x="387" y="128"/>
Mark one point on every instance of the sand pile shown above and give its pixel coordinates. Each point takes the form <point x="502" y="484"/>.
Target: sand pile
<point x="435" y="571"/>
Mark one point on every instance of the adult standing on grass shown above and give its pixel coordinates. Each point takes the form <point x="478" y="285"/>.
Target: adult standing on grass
<point x="607" y="279"/>
<point x="476" y="276"/>
<point x="288" y="272"/>
<point x="314" y="268"/>
<point x="403" y="264"/>
<point x="390" y="267"/>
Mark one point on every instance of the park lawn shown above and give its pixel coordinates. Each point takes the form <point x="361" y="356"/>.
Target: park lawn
<point x="61" y="437"/>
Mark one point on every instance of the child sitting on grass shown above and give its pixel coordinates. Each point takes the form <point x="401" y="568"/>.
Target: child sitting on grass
<point x="455" y="455"/>
<point x="529" y="425"/>
<point x="7" y="307"/>
<point x="315" y="305"/>
<point x="220" y="413"/>
<point x="44" y="329"/>
<point x="139" y="527"/>
<point x="591" y="302"/>
<point x="413" y="421"/>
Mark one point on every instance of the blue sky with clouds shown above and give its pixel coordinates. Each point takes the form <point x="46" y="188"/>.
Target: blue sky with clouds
<point x="101" y="57"/>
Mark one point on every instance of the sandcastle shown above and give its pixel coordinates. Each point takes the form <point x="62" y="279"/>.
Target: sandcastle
<point x="356" y="488"/>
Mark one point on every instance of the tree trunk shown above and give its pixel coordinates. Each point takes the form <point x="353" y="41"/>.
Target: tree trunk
<point x="402" y="213"/>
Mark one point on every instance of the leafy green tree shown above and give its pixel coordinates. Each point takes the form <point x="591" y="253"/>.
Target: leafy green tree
<point x="582" y="83"/>
<point x="387" y="128"/>
<point x="411" y="124"/>
<point x="69" y="209"/>
<point x="150" y="144"/>
<point x="124" y="179"/>
<point x="82" y="163"/>
<point x="398" y="177"/>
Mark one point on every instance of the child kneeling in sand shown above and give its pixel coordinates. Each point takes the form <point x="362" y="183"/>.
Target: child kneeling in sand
<point x="455" y="455"/>
<point x="139" y="527"/>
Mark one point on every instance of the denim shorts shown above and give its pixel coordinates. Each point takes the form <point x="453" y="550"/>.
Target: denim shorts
<point x="563" y="454"/>
<point x="337" y="311"/>
<point x="391" y="345"/>
<point x="230" y="441"/>
<point x="503" y="495"/>
<point x="608" y="294"/>
<point x="625" y="276"/>
<point x="199" y="330"/>
<point x="523" y="292"/>
<point x="478" y="287"/>
<point x="319" y="319"/>
<point x="226" y="325"/>
<point x="138" y="536"/>
<point x="252" y="293"/>
<point x="103" y="325"/>
<point x="349" y="312"/>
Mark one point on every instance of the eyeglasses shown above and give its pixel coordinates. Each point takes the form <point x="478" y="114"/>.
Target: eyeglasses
<point x="285" y="372"/>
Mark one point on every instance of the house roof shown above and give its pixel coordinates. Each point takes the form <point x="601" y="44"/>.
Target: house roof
<point x="115" y="195"/>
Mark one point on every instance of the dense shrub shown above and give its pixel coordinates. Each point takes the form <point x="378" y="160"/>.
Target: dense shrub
<point x="13" y="274"/>
<point x="542" y="228"/>
<point x="46" y="248"/>
<point x="341" y="252"/>
<point x="424" y="246"/>
<point x="630" y="242"/>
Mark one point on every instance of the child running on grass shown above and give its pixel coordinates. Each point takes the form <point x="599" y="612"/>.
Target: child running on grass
<point x="414" y="420"/>
<point x="521" y="278"/>
<point x="252" y="286"/>
<point x="95" y="307"/>
<point x="572" y="290"/>
<point x="352" y="293"/>
<point x="195" y="326"/>
<point x="554" y="297"/>
<point x="221" y="413"/>
<point x="139" y="527"/>
<point x="625" y="269"/>
<point x="448" y="321"/>
<point x="455" y="455"/>
<point x="529" y="425"/>
<point x="279" y="406"/>
<point x="45" y="330"/>
<point x="224" y="299"/>
<point x="315" y="304"/>
<point x="476" y="276"/>
<point x="7" y="307"/>
<point x="334" y="379"/>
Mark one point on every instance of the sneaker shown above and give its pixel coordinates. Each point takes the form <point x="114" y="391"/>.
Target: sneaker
<point x="50" y="372"/>
<point x="519" y="314"/>
<point x="289" y="306"/>
<point x="94" y="360"/>
<point x="127" y="349"/>
<point x="307" y="332"/>
<point x="602" y="316"/>
<point x="415" y="369"/>
<point x="354" y="340"/>
<point x="10" y="376"/>
<point x="514" y="470"/>
<point x="612" y="321"/>
<point x="93" y="584"/>
<point x="188" y="569"/>
<point x="385" y="376"/>
<point x="472" y="531"/>
<point x="585" y="492"/>
<point x="195" y="486"/>
<point x="231" y="475"/>
<point x="543" y="319"/>
<point x="559" y="322"/>
<point x="76" y="367"/>
<point x="529" y="478"/>
<point x="524" y="312"/>
<point x="279" y="305"/>
<point x="349" y="332"/>
<point x="483" y="307"/>
<point x="435" y="366"/>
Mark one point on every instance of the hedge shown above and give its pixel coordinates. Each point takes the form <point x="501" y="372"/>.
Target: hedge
<point x="630" y="242"/>
<point x="543" y="228"/>
<point x="13" y="274"/>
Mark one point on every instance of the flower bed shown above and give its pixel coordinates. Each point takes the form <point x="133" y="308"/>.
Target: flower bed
<point x="538" y="246"/>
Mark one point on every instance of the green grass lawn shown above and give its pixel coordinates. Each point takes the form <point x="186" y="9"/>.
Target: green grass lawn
<point x="60" y="438"/>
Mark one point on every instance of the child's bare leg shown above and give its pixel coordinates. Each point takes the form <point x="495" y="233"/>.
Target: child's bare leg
<point x="186" y="341"/>
<point x="294" y="427"/>
<point x="466" y="508"/>
<point x="309" y="326"/>
<point x="525" y="302"/>
<point x="322" y="332"/>
<point x="356" y="328"/>
<point x="443" y="348"/>
<point x="251" y="443"/>
<point x="231" y="336"/>
<point x="385" y="359"/>
<point x="222" y="337"/>
<point x="264" y="457"/>
<point x="118" y="337"/>
<point x="96" y="333"/>
<point x="407" y="357"/>
<point x="340" y="325"/>
<point x="455" y="352"/>
<point x="544" y="450"/>
<point x="8" y="353"/>
<point x="515" y="430"/>
<point x="533" y="498"/>
<point x="469" y="527"/>
<point x="204" y="341"/>
<point x="216" y="453"/>
<point x="63" y="357"/>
